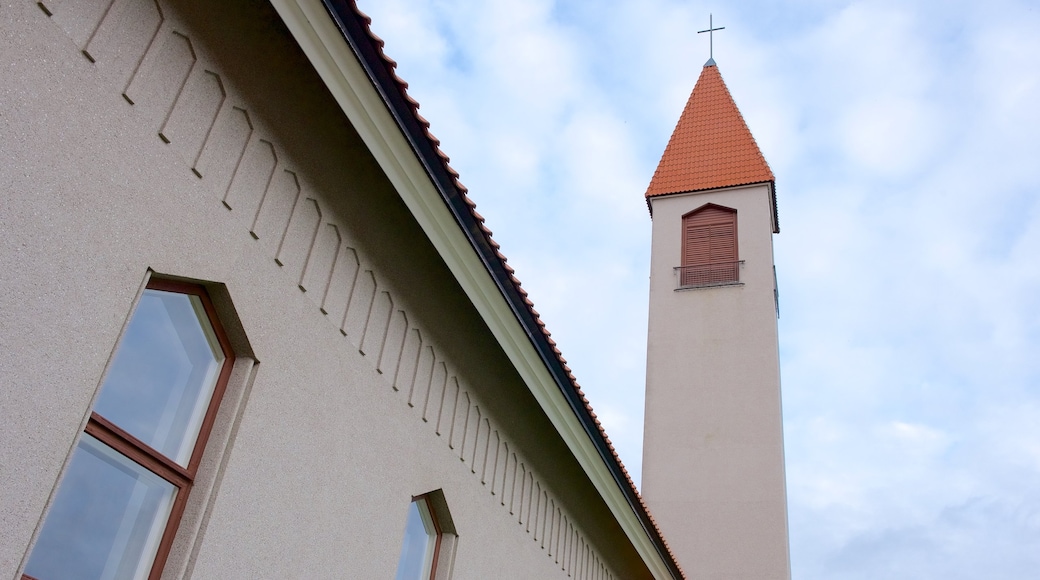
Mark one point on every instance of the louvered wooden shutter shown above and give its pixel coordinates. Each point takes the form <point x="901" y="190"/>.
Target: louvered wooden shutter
<point x="709" y="247"/>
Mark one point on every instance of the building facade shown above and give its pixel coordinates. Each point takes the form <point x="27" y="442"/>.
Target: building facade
<point x="243" y="192"/>
<point x="713" y="455"/>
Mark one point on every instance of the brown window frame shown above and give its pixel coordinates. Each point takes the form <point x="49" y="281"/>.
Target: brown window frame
<point x="183" y="478"/>
<point x="439" y="534"/>
<point x="442" y="560"/>
<point x="701" y="266"/>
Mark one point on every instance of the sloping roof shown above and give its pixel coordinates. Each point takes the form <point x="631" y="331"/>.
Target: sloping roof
<point x="356" y="30"/>
<point x="711" y="146"/>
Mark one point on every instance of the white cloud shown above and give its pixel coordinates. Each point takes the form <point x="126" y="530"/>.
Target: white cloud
<point x="904" y="139"/>
<point x="890" y="137"/>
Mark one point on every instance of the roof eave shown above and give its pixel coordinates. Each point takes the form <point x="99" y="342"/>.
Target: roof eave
<point x="299" y="15"/>
<point x="771" y="183"/>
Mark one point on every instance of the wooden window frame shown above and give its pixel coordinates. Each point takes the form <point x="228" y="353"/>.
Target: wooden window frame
<point x="182" y="478"/>
<point x="693" y="272"/>
<point x="442" y="560"/>
<point x="438" y="534"/>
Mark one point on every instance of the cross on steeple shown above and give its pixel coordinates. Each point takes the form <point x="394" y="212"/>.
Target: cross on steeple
<point x="711" y="41"/>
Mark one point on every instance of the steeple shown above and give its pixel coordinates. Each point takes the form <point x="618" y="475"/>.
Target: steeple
<point x="711" y="146"/>
<point x="713" y="451"/>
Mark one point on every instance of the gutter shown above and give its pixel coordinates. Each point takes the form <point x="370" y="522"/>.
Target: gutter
<point x="353" y="26"/>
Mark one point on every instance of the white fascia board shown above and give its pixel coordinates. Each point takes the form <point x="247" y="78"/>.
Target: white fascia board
<point x="322" y="42"/>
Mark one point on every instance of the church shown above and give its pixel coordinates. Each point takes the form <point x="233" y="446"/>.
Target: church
<point x="254" y="326"/>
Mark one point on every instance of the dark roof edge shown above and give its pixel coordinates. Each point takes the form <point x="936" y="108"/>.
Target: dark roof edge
<point x="772" y="193"/>
<point x="354" y="28"/>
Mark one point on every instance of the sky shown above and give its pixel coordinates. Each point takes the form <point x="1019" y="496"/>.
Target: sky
<point x="905" y="140"/>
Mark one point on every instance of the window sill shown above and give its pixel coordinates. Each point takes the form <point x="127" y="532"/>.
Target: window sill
<point x="707" y="286"/>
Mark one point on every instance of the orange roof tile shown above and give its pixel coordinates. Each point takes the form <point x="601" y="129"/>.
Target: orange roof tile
<point x="462" y="191"/>
<point x="711" y="146"/>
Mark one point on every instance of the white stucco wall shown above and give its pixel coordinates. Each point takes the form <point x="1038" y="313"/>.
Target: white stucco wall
<point x="196" y="142"/>
<point x="713" y="471"/>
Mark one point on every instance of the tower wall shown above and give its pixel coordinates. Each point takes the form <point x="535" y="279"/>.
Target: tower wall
<point x="713" y="465"/>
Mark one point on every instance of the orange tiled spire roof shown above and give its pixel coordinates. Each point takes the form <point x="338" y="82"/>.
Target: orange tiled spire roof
<point x="711" y="146"/>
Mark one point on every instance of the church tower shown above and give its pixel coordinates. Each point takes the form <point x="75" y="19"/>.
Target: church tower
<point x="713" y="457"/>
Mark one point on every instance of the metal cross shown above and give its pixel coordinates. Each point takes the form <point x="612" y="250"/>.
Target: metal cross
<point x="711" y="31"/>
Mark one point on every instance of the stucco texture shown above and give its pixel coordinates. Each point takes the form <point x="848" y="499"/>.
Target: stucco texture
<point x="713" y="465"/>
<point x="196" y="142"/>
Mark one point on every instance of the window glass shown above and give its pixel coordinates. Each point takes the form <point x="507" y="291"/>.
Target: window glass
<point x="107" y="519"/>
<point x="420" y="541"/>
<point x="159" y="385"/>
<point x="116" y="510"/>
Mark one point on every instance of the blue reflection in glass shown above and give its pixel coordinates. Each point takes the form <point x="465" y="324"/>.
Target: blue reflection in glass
<point x="107" y="519"/>
<point x="163" y="375"/>
<point x="420" y="538"/>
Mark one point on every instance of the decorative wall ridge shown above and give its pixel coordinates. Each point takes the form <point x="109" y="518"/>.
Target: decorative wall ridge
<point x="164" y="76"/>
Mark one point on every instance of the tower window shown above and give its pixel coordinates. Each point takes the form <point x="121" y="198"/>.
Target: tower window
<point x="116" y="510"/>
<point x="709" y="247"/>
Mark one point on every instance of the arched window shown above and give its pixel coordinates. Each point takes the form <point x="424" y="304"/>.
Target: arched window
<point x="709" y="247"/>
<point x="116" y="511"/>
